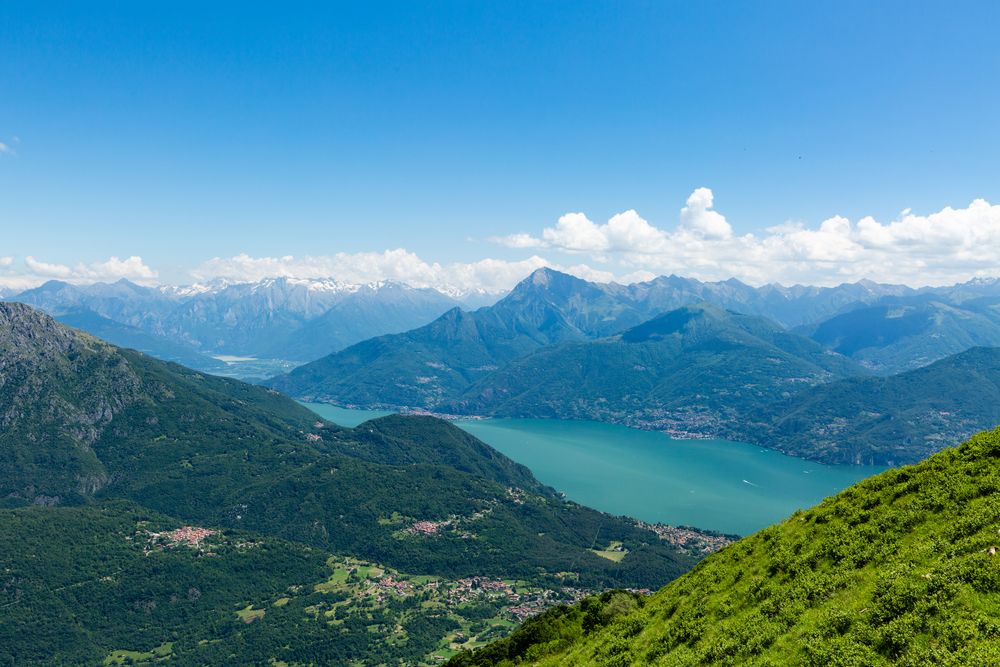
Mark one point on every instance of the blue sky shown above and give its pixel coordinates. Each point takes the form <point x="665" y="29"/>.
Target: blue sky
<point x="179" y="134"/>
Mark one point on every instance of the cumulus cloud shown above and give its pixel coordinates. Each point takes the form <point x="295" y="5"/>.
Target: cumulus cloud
<point x="951" y="245"/>
<point x="575" y="232"/>
<point x="948" y="246"/>
<point x="698" y="216"/>
<point x="47" y="270"/>
<point x="35" y="272"/>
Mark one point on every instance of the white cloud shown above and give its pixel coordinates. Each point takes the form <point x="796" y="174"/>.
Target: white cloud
<point x="575" y="232"/>
<point x="952" y="245"/>
<point x="47" y="270"/>
<point x="949" y="246"/>
<point x="699" y="217"/>
<point x="491" y="275"/>
<point x="36" y="272"/>
<point x="8" y="148"/>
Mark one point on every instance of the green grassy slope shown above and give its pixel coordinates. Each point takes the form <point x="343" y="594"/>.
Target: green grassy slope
<point x="903" y="568"/>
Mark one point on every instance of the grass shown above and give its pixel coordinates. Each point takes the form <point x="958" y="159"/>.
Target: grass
<point x="615" y="552"/>
<point x="125" y="657"/>
<point x="248" y="614"/>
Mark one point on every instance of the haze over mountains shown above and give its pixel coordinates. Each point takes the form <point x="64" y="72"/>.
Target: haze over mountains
<point x="281" y="318"/>
<point x="898" y="334"/>
<point x="301" y="320"/>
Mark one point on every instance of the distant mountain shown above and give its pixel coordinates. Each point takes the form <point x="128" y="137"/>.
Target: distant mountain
<point x="431" y="366"/>
<point x="692" y="370"/>
<point x="123" y="302"/>
<point x="890" y="420"/>
<point x="789" y="306"/>
<point x="434" y="363"/>
<point x="358" y="315"/>
<point x="976" y="288"/>
<point x="298" y="320"/>
<point x="898" y="334"/>
<point x="125" y="335"/>
<point x="900" y="569"/>
<point x="280" y="318"/>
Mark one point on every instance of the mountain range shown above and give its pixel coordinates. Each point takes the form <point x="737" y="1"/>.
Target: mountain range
<point x="901" y="569"/>
<point x="883" y="420"/>
<point x="281" y="318"/>
<point x="561" y="347"/>
<point x="691" y="358"/>
<point x="694" y="364"/>
<point x="300" y="320"/>
<point x="431" y="365"/>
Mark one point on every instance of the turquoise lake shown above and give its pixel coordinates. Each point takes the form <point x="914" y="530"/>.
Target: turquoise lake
<point x="714" y="484"/>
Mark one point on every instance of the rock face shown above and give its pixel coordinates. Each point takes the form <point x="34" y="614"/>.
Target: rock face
<point x="58" y="391"/>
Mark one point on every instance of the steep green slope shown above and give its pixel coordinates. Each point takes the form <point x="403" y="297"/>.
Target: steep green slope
<point x="903" y="568"/>
<point x="84" y="419"/>
<point x="898" y="419"/>
<point x="78" y="412"/>
<point x="697" y="369"/>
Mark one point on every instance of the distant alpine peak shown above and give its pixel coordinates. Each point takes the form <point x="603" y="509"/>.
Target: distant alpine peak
<point x="325" y="285"/>
<point x="984" y="280"/>
<point x="548" y="278"/>
<point x="330" y="285"/>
